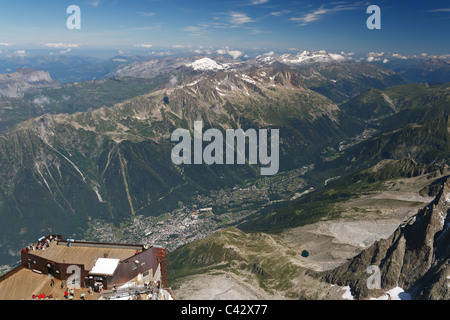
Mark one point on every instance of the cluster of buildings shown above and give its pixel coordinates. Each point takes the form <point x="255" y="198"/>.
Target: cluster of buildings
<point x="53" y="264"/>
<point x="170" y="230"/>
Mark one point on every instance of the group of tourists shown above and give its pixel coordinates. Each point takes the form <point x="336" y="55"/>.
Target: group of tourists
<point x="69" y="294"/>
<point x="42" y="296"/>
<point x="41" y="245"/>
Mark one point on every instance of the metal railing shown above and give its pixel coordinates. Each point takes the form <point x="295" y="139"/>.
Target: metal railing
<point x="134" y="291"/>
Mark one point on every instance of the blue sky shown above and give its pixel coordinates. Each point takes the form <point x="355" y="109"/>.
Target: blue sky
<point x="408" y="27"/>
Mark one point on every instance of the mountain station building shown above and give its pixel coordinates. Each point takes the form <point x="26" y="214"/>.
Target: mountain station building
<point x="93" y="265"/>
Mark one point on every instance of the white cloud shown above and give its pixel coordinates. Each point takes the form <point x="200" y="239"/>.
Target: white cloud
<point x="396" y="55"/>
<point x="147" y="14"/>
<point x="146" y="28"/>
<point x="234" y="53"/>
<point x="319" y="13"/>
<point x="194" y="30"/>
<point x="5" y="44"/>
<point x="143" y="45"/>
<point x="61" y="45"/>
<point x="20" y="53"/>
<point x="40" y="100"/>
<point x="375" y="54"/>
<point x="280" y="13"/>
<point x="255" y="2"/>
<point x="239" y="18"/>
<point x="173" y="80"/>
<point x="439" y="10"/>
<point x="177" y="46"/>
<point x="95" y="3"/>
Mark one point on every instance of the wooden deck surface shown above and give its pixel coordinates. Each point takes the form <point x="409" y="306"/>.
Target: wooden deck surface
<point x="23" y="284"/>
<point x="86" y="255"/>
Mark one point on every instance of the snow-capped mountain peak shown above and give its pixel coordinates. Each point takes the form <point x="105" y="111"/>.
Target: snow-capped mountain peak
<point x="206" y="64"/>
<point x="311" y="57"/>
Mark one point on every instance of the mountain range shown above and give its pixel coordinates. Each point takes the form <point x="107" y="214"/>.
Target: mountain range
<point x="99" y="148"/>
<point x="117" y="159"/>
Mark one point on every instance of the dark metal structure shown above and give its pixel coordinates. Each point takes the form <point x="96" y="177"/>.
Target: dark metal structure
<point x="71" y="261"/>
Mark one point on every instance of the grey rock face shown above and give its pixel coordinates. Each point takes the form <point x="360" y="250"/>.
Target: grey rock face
<point x="416" y="257"/>
<point x="15" y="85"/>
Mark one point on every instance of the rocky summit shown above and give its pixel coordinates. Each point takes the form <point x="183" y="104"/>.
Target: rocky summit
<point x="15" y="85"/>
<point x="415" y="257"/>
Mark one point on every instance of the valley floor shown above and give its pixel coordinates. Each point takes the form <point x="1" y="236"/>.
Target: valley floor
<point x="330" y="243"/>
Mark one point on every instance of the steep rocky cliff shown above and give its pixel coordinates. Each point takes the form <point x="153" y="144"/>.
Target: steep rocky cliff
<point x="416" y="257"/>
<point x="15" y="85"/>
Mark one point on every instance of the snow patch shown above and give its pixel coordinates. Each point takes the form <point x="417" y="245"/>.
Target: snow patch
<point x="248" y="79"/>
<point x="396" y="293"/>
<point x="76" y="168"/>
<point x="347" y="294"/>
<point x="98" y="195"/>
<point x="192" y="83"/>
<point x="312" y="57"/>
<point x="205" y="64"/>
<point x="447" y="197"/>
<point x="45" y="181"/>
<point x="220" y="92"/>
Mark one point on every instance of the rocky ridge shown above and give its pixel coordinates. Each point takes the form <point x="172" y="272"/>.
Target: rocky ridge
<point x="15" y="85"/>
<point x="416" y="257"/>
